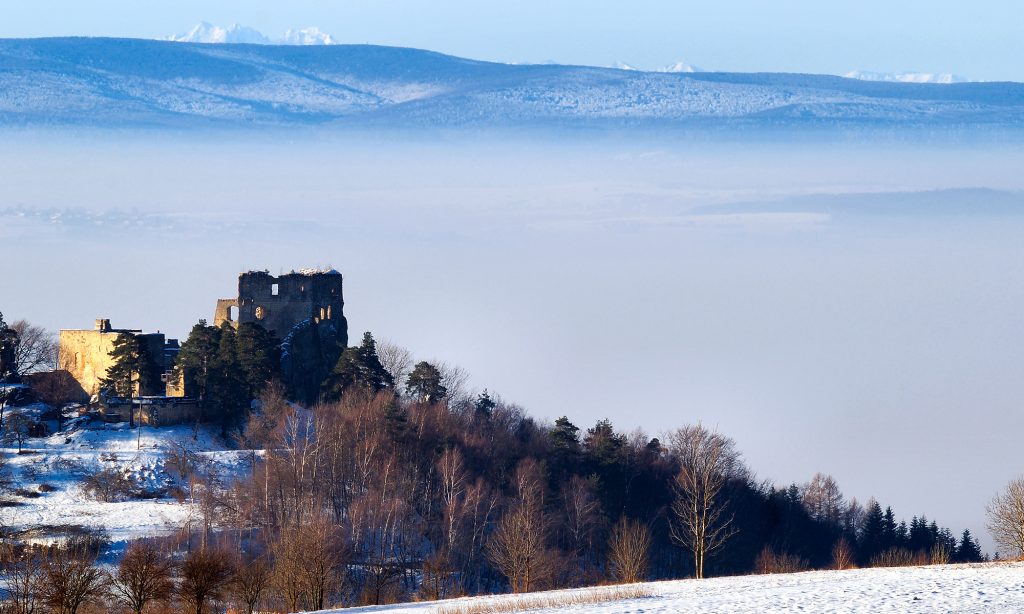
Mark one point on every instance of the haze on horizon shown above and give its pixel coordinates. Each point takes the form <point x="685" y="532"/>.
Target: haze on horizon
<point x="844" y="307"/>
<point x="978" y="40"/>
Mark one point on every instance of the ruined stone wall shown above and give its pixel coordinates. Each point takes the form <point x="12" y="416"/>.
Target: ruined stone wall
<point x="279" y="303"/>
<point x="158" y="412"/>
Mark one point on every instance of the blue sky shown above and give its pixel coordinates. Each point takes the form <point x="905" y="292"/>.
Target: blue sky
<point x="978" y="40"/>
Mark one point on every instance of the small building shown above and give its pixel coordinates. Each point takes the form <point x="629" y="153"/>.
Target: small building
<point x="154" y="410"/>
<point x="85" y="355"/>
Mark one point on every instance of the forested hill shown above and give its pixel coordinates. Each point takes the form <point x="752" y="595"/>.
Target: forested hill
<point x="142" y="83"/>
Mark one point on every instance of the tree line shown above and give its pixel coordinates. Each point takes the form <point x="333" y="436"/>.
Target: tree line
<point x="399" y="484"/>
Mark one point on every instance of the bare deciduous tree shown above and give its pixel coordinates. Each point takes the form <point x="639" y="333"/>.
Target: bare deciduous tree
<point x="36" y="349"/>
<point x="1006" y="518"/>
<point x="396" y="360"/>
<point x="69" y="580"/>
<point x="628" y="551"/>
<point x="582" y="514"/>
<point x="17" y="429"/>
<point x="250" y="584"/>
<point x="842" y="555"/>
<point x="823" y="500"/>
<point x="770" y="562"/>
<point x="23" y="580"/>
<point x="454" y="379"/>
<point x="707" y="461"/>
<point x="205" y="574"/>
<point x="143" y="576"/>
<point x="518" y="548"/>
<point x="308" y="562"/>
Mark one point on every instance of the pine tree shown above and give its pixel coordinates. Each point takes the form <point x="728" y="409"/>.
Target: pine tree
<point x="565" y="438"/>
<point x="484" y="405"/>
<point x="8" y="347"/>
<point x="396" y="419"/>
<point x="259" y="357"/>
<point x="424" y="383"/>
<point x="888" y="529"/>
<point x="872" y="533"/>
<point x="197" y="356"/>
<point x="968" y="551"/>
<point x="132" y="369"/>
<point x="358" y="368"/>
<point x="226" y="386"/>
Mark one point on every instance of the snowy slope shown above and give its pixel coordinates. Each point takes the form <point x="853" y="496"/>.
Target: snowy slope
<point x="127" y="82"/>
<point x="982" y="588"/>
<point x="60" y="463"/>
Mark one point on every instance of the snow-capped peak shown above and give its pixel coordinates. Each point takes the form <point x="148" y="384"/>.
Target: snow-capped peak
<point x="680" y="67"/>
<point x="307" y="36"/>
<point x="207" y="33"/>
<point x="905" y="77"/>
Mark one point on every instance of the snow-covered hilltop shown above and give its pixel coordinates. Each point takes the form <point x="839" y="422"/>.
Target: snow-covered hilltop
<point x="143" y="83"/>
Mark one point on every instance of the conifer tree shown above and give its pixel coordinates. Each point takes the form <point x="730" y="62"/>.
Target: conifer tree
<point x="565" y="438"/>
<point x="197" y="357"/>
<point x="132" y="369"/>
<point x="968" y="551"/>
<point x="888" y="529"/>
<point x="8" y="348"/>
<point x="424" y="383"/>
<point x="225" y="384"/>
<point x="872" y="533"/>
<point x="358" y="368"/>
<point x="259" y="357"/>
<point x="484" y="405"/>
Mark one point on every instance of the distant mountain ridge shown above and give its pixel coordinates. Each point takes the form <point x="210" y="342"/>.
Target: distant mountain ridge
<point x="145" y="83"/>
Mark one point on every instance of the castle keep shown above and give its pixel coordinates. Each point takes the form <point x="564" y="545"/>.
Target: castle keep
<point x="278" y="304"/>
<point x="305" y="311"/>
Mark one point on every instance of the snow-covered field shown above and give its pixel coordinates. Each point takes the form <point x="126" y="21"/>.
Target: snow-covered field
<point x="988" y="587"/>
<point x="45" y="494"/>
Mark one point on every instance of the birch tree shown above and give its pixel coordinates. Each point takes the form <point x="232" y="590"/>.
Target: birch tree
<point x="707" y="462"/>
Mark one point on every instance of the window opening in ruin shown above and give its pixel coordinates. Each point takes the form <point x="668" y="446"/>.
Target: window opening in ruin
<point x="323" y="313"/>
<point x="233" y="313"/>
<point x="328" y="312"/>
<point x="273" y="289"/>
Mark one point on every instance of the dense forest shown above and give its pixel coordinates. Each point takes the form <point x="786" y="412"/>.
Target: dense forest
<point x="425" y="490"/>
<point x="401" y="484"/>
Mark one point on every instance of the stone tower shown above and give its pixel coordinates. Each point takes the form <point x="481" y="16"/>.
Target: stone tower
<point x="305" y="311"/>
<point x="279" y="304"/>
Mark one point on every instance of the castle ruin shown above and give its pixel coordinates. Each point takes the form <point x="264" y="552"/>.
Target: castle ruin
<point x="280" y="303"/>
<point x="305" y="310"/>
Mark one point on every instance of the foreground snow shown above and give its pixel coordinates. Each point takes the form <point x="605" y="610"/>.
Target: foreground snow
<point x="990" y="587"/>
